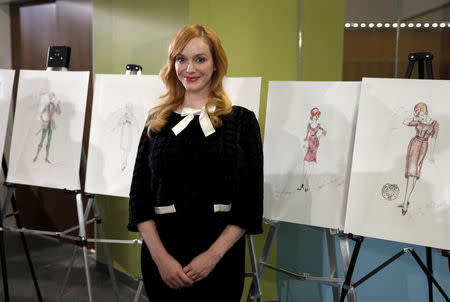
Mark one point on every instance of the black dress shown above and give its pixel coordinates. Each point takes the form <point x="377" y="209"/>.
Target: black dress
<point x="192" y="186"/>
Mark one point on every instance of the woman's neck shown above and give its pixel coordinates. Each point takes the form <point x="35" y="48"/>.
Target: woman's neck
<point x="195" y="100"/>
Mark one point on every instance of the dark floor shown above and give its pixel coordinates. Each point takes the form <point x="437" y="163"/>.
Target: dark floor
<point x="51" y="260"/>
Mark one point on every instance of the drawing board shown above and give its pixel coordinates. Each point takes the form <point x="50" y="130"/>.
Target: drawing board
<point x="244" y="92"/>
<point x="400" y="185"/>
<point x="48" y="129"/>
<point x="307" y="151"/>
<point x="6" y="87"/>
<point x="119" y="111"/>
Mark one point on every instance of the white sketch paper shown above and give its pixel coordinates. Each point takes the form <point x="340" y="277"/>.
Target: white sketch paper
<point x="6" y="86"/>
<point x="119" y="111"/>
<point x="245" y="92"/>
<point x="307" y="151"/>
<point x="399" y="188"/>
<point x="48" y="129"/>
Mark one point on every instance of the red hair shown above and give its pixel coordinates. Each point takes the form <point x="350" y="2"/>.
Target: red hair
<point x="315" y="112"/>
<point x="174" y="97"/>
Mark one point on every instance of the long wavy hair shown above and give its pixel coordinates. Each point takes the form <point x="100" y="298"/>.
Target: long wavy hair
<point x="174" y="97"/>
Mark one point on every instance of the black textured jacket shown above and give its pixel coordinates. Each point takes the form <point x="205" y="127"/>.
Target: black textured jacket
<point x="190" y="175"/>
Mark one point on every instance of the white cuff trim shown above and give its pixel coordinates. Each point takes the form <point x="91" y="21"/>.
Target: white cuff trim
<point x="222" y="208"/>
<point x="165" y="210"/>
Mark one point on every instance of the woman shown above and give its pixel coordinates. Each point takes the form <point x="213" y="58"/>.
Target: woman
<point x="47" y="124"/>
<point x="198" y="184"/>
<point x="417" y="148"/>
<point x="313" y="131"/>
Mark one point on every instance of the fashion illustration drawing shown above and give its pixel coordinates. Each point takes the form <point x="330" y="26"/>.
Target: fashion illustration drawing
<point x="47" y="124"/>
<point x="426" y="128"/>
<point x="313" y="133"/>
<point x="127" y="127"/>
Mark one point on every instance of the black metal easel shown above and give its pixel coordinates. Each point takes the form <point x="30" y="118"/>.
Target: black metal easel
<point x="424" y="59"/>
<point x="15" y="213"/>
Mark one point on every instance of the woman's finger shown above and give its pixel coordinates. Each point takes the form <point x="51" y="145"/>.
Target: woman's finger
<point x="185" y="279"/>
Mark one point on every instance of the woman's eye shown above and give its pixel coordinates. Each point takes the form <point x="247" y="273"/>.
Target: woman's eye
<point x="201" y="60"/>
<point x="180" y="59"/>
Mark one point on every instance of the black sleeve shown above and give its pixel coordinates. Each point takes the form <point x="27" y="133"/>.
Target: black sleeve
<point x="247" y="211"/>
<point x="141" y="206"/>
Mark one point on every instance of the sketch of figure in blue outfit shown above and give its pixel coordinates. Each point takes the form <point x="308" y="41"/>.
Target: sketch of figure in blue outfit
<point x="48" y="125"/>
<point x="127" y="125"/>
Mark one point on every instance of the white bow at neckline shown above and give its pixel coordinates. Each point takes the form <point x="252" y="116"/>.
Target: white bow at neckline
<point x="189" y="113"/>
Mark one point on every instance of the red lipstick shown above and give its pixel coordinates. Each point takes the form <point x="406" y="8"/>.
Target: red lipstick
<point x="191" y="79"/>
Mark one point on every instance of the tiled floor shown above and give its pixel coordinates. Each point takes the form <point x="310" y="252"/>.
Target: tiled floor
<point x="51" y="260"/>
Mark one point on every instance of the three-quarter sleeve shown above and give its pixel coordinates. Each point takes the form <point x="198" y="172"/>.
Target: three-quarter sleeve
<point x="247" y="211"/>
<point x="141" y="205"/>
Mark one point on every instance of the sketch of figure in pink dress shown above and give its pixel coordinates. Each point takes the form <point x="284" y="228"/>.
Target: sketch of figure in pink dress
<point x="426" y="128"/>
<point x="47" y="124"/>
<point x="127" y="125"/>
<point x="313" y="133"/>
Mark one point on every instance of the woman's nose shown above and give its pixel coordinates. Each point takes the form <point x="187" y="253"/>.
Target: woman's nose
<point x="190" y="67"/>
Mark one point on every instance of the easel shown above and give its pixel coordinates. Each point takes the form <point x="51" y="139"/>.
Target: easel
<point x="422" y="58"/>
<point x="58" y="58"/>
<point x="427" y="59"/>
<point x="332" y="280"/>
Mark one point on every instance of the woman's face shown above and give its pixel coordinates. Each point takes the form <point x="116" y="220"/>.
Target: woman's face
<point x="315" y="117"/>
<point x="421" y="115"/>
<point x="194" y="66"/>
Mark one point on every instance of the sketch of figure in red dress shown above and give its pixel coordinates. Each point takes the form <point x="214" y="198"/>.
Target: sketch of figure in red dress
<point x="313" y="133"/>
<point x="127" y="125"/>
<point x="426" y="128"/>
<point x="47" y="124"/>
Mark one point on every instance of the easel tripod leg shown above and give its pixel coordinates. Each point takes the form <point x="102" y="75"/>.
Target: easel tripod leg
<point x="256" y="281"/>
<point x="345" y="251"/>
<point x="430" y="268"/>
<point x="332" y="261"/>
<point x="106" y="250"/>
<point x="3" y="260"/>
<point x="66" y="277"/>
<point x="82" y="234"/>
<point x="138" y="291"/>
<point x="25" y="247"/>
<point x="264" y="256"/>
<point x="429" y="275"/>
<point x="348" y="277"/>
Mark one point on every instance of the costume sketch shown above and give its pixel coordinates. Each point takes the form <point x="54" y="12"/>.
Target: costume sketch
<point x="426" y="128"/>
<point x="313" y="133"/>
<point x="47" y="124"/>
<point x="127" y="125"/>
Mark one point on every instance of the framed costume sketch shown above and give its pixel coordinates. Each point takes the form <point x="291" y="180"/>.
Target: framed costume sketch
<point x="307" y="151"/>
<point x="399" y="188"/>
<point x="245" y="92"/>
<point x="48" y="129"/>
<point x="6" y="87"/>
<point x="119" y="112"/>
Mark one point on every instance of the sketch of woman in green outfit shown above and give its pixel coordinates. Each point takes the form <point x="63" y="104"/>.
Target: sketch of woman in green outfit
<point x="48" y="124"/>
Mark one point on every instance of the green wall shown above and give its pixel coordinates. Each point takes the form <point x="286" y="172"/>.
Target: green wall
<point x="322" y="39"/>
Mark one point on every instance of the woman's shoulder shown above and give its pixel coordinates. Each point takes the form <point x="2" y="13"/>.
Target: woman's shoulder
<point x="241" y="112"/>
